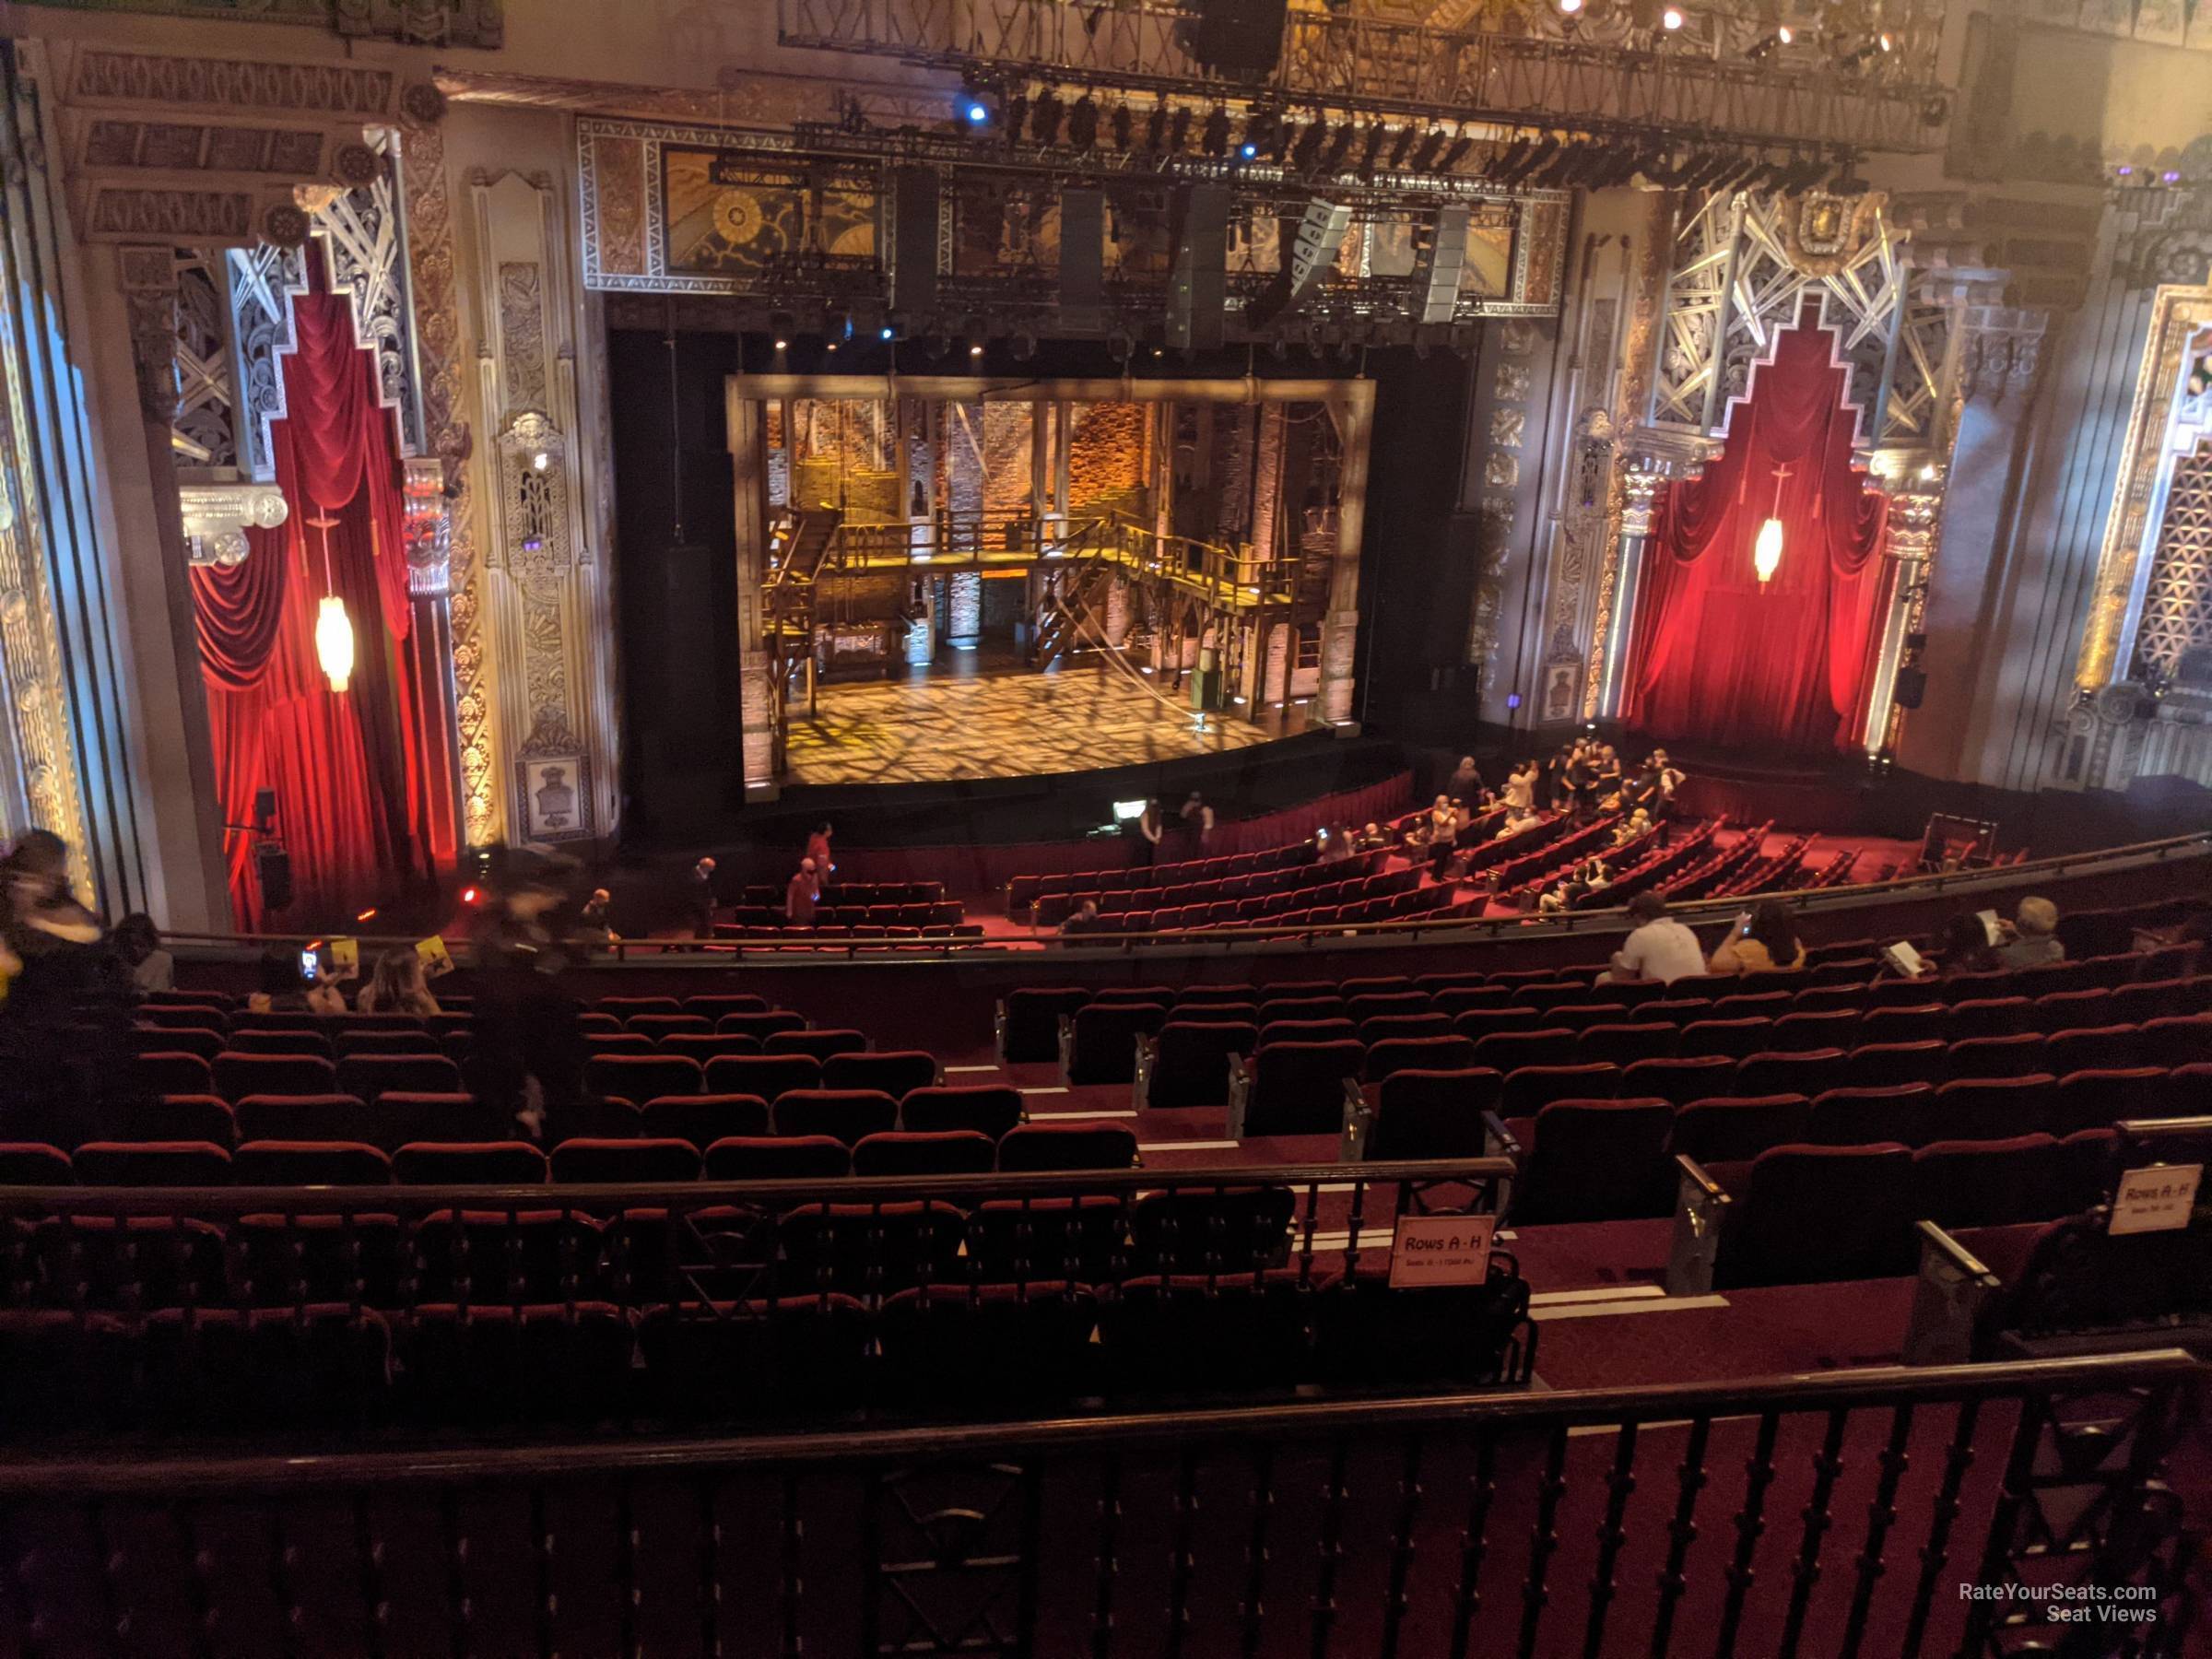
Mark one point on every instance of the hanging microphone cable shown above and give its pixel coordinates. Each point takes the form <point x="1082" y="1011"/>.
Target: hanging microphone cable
<point x="675" y="428"/>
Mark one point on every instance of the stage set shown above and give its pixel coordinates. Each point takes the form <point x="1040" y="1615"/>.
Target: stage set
<point x="611" y="483"/>
<point x="994" y="578"/>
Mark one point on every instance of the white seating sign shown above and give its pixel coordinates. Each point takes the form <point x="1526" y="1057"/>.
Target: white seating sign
<point x="1440" y="1249"/>
<point x="2157" y="1199"/>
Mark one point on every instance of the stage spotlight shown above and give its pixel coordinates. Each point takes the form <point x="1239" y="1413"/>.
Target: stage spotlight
<point x="1765" y="48"/>
<point x="1261" y="132"/>
<point x="887" y="333"/>
<point x="1672" y="18"/>
<point x="1570" y="6"/>
<point x="1305" y="154"/>
<point x="975" y="351"/>
<point x="1025" y="345"/>
<point x="1424" y="156"/>
<point x="1370" y="146"/>
<point x="1885" y="41"/>
<point x="1044" y="117"/>
<point x="1017" y="111"/>
<point x="976" y="112"/>
<point x="783" y="345"/>
<point x="1249" y="151"/>
<point x="1179" y="129"/>
<point x="1123" y="125"/>
<point x="1083" y="123"/>
<point x="1457" y="153"/>
<point x="1214" y="140"/>
<point x="1399" y="146"/>
<point x="1340" y="145"/>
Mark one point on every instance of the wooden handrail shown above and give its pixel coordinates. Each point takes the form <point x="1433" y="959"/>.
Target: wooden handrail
<point x="1808" y="901"/>
<point x="69" y="1476"/>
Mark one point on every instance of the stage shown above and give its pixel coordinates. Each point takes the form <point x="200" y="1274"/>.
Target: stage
<point x="978" y="716"/>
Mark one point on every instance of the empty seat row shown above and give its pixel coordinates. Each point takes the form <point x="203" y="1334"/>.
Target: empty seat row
<point x="1023" y="891"/>
<point x="633" y="1254"/>
<point x="751" y="1141"/>
<point x="335" y="1366"/>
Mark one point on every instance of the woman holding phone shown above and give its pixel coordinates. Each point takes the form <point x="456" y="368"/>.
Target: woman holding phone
<point x="1761" y="941"/>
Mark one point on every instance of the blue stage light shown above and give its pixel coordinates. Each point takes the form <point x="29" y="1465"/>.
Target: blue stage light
<point x="1248" y="149"/>
<point x="978" y="114"/>
<point x="885" y="331"/>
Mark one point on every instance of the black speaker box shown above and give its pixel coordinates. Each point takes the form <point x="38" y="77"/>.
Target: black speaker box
<point x="273" y="870"/>
<point x="1911" y="686"/>
<point x="914" y="256"/>
<point x="1197" y="286"/>
<point x="1238" y="38"/>
<point x="1082" y="260"/>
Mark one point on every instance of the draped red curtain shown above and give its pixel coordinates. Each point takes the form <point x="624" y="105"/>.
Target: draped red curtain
<point x="351" y="809"/>
<point x="1713" y="656"/>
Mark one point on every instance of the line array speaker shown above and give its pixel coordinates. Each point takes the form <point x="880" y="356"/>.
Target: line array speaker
<point x="1082" y="261"/>
<point x="1199" y="280"/>
<point x="914" y="251"/>
<point x="1436" y="277"/>
<point x="1238" y="38"/>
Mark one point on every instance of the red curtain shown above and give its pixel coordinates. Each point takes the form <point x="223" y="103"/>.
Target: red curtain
<point x="1716" y="658"/>
<point x="351" y="809"/>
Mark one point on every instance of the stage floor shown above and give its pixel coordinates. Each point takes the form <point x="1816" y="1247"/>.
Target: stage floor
<point x="977" y="719"/>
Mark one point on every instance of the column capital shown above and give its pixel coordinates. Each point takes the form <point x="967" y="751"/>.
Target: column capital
<point x="217" y="517"/>
<point x="149" y="278"/>
<point x="1914" y="487"/>
<point x="2000" y="349"/>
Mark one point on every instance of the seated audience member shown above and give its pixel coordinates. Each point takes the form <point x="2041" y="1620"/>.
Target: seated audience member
<point x="1660" y="948"/>
<point x="1085" y="920"/>
<point x="138" y="943"/>
<point x="1764" y="939"/>
<point x="1966" y="947"/>
<point x="802" y="894"/>
<point x="1372" y="838"/>
<point x="2033" y="942"/>
<point x="1630" y="827"/>
<point x="1597" y="874"/>
<point x="396" y="986"/>
<point x="285" y="990"/>
<point x="1517" y="818"/>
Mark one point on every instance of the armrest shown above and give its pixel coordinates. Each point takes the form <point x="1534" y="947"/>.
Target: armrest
<point x="1700" y="1214"/>
<point x="1140" y="1075"/>
<point x="1359" y="1120"/>
<point x="1498" y="1141"/>
<point x="1067" y="1043"/>
<point x="1953" y="1288"/>
<point x="1239" y="1093"/>
<point x="998" y="1029"/>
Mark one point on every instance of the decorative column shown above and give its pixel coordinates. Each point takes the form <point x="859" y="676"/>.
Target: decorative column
<point x="1998" y="353"/>
<point x="1650" y="458"/>
<point x="1341" y="622"/>
<point x="545" y="592"/>
<point x="1915" y="495"/>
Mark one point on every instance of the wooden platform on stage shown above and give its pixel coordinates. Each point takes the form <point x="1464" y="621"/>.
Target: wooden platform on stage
<point x="976" y="717"/>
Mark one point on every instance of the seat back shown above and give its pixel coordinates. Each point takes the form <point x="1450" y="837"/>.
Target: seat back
<point x="778" y="1158"/>
<point x="239" y="1075"/>
<point x="658" y="1158"/>
<point x="1031" y="1030"/>
<point x="1991" y="1108"/>
<point x="944" y="1152"/>
<point x="845" y="1114"/>
<point x="1035" y="1148"/>
<point x="1734" y="1038"/>
<point x="462" y="1163"/>
<point x="152" y="1163"/>
<point x="1737" y="1128"/>
<point x="987" y="1107"/>
<point x="329" y="1117"/>
<point x="770" y="1076"/>
<point x="699" y="1121"/>
<point x="1625" y="1044"/>
<point x="1531" y="1089"/>
<point x="894" y="1070"/>
<point x="403" y="1115"/>
<point x="644" y="1077"/>
<point x="1418" y="1053"/>
<point x="1103" y="1046"/>
<point x="1190" y="1060"/>
<point x="1809" y="1215"/>
<point x="1807" y="1072"/>
<point x="1509" y="1051"/>
<point x="1596" y="1160"/>
<point x="309" y="1163"/>
<point x="1423" y="1113"/>
<point x="1866" y="1117"/>
<point x="2002" y="1183"/>
<point x="822" y="1045"/>
<point x="1680" y="1080"/>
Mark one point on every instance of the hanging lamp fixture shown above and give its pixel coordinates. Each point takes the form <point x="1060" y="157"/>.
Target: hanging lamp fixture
<point x="1766" y="548"/>
<point x="334" y="628"/>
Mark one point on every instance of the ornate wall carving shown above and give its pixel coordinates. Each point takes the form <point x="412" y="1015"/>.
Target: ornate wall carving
<point x="360" y="231"/>
<point x="2175" y="632"/>
<point x="543" y="594"/>
<point x="447" y="436"/>
<point x="416" y="22"/>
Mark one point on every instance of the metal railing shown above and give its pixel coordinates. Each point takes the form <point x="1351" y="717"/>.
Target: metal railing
<point x="1883" y="1510"/>
<point x="1357" y="62"/>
